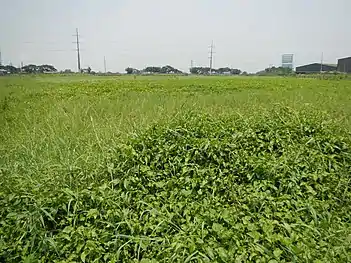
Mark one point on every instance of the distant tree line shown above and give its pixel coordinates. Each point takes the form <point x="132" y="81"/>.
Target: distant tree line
<point x="36" y="69"/>
<point x="154" y="70"/>
<point x="9" y="69"/>
<point x="30" y="69"/>
<point x="273" y="71"/>
<point x="171" y="70"/>
<point x="222" y="71"/>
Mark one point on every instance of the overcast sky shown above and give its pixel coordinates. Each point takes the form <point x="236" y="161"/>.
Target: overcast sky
<point x="247" y="34"/>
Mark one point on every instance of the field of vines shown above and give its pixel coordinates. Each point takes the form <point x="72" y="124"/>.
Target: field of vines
<point x="174" y="169"/>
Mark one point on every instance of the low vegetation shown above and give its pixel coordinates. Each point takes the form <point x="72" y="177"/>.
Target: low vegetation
<point x="159" y="169"/>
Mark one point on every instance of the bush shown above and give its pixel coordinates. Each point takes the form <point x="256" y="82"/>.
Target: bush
<point x="199" y="189"/>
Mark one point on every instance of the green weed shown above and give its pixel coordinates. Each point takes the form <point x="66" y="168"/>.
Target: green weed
<point x="164" y="170"/>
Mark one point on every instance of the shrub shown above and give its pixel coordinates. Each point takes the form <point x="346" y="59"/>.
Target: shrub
<point x="199" y="189"/>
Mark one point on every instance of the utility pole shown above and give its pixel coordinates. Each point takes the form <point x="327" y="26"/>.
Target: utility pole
<point x="0" y="58"/>
<point x="322" y="63"/>
<point x="211" y="57"/>
<point x="78" y="49"/>
<point x="191" y="65"/>
<point x="105" y="64"/>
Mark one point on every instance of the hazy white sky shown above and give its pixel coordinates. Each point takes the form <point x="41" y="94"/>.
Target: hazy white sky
<point x="248" y="34"/>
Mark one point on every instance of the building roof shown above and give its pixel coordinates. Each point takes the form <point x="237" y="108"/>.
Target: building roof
<point x="331" y="65"/>
<point x="324" y="64"/>
<point x="344" y="58"/>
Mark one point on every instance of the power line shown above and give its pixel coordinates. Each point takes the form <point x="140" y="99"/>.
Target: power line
<point x="78" y="49"/>
<point x="51" y="48"/>
<point x="58" y="50"/>
<point x="211" y="57"/>
<point x="41" y="42"/>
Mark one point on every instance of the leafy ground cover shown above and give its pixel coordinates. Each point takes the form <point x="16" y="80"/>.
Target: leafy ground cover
<point x="175" y="170"/>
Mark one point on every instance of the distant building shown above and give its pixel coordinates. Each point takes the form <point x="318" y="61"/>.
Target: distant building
<point x="289" y="66"/>
<point x="316" y="68"/>
<point x="288" y="61"/>
<point x="344" y="65"/>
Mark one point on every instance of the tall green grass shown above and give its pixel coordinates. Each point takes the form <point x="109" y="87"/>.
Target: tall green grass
<point x="174" y="169"/>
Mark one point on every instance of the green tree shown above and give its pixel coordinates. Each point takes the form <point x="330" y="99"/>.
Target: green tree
<point x="235" y="71"/>
<point x="152" y="69"/>
<point x="129" y="70"/>
<point x="30" y="69"/>
<point x="46" y="68"/>
<point x="10" y="69"/>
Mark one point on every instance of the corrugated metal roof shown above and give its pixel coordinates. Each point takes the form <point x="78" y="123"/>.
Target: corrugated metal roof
<point x="324" y="64"/>
<point x="332" y="65"/>
<point x="344" y="58"/>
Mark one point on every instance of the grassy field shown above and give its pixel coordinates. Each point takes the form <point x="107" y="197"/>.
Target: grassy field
<point x="175" y="169"/>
